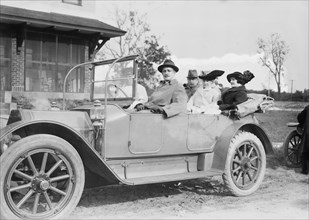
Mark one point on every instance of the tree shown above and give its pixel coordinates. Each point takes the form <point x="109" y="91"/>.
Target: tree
<point x="137" y="40"/>
<point x="273" y="55"/>
<point x="132" y="42"/>
<point x="153" y="53"/>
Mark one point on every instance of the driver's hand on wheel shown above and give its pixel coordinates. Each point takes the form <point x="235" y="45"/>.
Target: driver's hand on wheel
<point x="139" y="107"/>
<point x="156" y="109"/>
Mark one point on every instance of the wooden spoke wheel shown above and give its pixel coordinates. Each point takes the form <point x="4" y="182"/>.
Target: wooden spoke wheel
<point x="42" y="178"/>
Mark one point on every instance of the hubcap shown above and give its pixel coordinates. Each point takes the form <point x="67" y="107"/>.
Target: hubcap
<point x="44" y="185"/>
<point x="245" y="164"/>
<point x="40" y="183"/>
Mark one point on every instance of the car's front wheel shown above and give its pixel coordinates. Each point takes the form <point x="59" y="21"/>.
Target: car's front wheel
<point x="42" y="177"/>
<point x="245" y="164"/>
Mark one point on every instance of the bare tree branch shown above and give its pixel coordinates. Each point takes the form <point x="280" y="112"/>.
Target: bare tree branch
<point x="274" y="52"/>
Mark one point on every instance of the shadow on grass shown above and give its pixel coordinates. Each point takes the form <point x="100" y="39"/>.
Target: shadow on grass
<point x="199" y="189"/>
<point x="205" y="186"/>
<point x="122" y="194"/>
<point x="277" y="160"/>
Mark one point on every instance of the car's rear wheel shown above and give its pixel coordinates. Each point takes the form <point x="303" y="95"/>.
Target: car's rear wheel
<point x="245" y="164"/>
<point x="42" y="177"/>
<point x="291" y="147"/>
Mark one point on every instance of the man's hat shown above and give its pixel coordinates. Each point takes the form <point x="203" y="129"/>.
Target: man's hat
<point x="209" y="76"/>
<point x="168" y="63"/>
<point x="192" y="74"/>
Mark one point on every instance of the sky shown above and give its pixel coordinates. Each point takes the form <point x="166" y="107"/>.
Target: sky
<point x="213" y="34"/>
<point x="223" y="34"/>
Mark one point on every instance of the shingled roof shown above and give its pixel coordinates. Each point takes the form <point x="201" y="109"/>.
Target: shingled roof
<point x="13" y="15"/>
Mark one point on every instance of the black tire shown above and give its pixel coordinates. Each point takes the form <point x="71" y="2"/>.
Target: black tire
<point x="42" y="177"/>
<point x="291" y="150"/>
<point x="245" y="164"/>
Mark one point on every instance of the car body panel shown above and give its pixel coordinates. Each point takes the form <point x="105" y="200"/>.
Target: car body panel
<point x="145" y="134"/>
<point x="78" y="121"/>
<point x="153" y="133"/>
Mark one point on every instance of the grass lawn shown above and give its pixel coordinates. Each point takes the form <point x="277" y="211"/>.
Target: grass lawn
<point x="290" y="105"/>
<point x="274" y="121"/>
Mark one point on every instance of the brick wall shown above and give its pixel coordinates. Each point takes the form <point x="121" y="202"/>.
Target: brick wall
<point x="87" y="72"/>
<point x="17" y="70"/>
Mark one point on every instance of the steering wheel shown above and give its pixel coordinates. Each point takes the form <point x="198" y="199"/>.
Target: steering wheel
<point x="113" y="91"/>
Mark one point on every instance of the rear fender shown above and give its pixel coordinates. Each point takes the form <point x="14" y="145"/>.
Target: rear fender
<point x="222" y="145"/>
<point x="90" y="157"/>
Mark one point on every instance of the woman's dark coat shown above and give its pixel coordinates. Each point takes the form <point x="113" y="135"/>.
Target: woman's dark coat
<point x="232" y="97"/>
<point x="303" y="119"/>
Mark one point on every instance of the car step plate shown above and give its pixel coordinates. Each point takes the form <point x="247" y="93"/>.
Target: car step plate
<point x="173" y="177"/>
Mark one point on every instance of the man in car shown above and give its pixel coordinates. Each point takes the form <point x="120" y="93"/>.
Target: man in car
<point x="170" y="97"/>
<point x="192" y="83"/>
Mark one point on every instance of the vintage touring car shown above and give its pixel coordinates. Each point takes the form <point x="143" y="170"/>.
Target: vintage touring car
<point x="49" y="157"/>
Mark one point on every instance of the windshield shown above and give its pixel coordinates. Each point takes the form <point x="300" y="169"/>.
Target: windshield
<point x="120" y="81"/>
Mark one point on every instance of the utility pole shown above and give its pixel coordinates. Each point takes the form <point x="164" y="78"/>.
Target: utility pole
<point x="268" y="84"/>
<point x="292" y="90"/>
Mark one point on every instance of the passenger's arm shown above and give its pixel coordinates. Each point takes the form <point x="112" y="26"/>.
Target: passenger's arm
<point x="179" y="102"/>
<point x="240" y="97"/>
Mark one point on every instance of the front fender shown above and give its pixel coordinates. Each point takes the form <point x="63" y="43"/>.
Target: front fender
<point x="91" y="158"/>
<point x="222" y="145"/>
<point x="10" y="129"/>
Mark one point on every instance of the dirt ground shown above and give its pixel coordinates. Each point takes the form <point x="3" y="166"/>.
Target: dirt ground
<point x="282" y="195"/>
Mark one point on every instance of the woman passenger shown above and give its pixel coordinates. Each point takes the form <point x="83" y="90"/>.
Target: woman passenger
<point x="206" y="97"/>
<point x="237" y="93"/>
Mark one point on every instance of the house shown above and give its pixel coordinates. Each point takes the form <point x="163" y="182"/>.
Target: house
<point x="39" y="45"/>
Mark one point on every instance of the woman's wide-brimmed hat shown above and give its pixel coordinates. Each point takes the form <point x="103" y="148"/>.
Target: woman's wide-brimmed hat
<point x="237" y="75"/>
<point x="168" y="63"/>
<point x="209" y="76"/>
<point x="241" y="78"/>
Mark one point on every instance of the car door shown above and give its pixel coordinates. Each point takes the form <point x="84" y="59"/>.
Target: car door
<point x="202" y="132"/>
<point x="145" y="133"/>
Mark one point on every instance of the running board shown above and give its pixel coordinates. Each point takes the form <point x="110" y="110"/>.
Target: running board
<point x="172" y="177"/>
